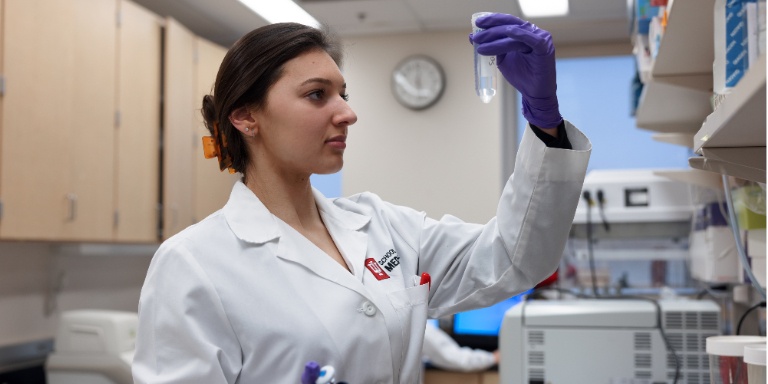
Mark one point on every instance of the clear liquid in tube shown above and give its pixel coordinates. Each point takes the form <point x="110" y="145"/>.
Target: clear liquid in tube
<point x="485" y="68"/>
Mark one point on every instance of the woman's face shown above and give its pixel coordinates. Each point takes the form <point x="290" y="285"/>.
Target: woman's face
<point x="302" y="128"/>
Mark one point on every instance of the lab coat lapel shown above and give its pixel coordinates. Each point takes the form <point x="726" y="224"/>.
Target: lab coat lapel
<point x="345" y="228"/>
<point x="295" y="248"/>
<point x="252" y="222"/>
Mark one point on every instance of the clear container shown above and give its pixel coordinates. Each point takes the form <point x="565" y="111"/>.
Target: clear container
<point x="485" y="68"/>
<point x="726" y="358"/>
<point x="754" y="356"/>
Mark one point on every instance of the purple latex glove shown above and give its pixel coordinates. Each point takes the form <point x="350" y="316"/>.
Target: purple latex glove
<point x="526" y="57"/>
<point x="311" y="373"/>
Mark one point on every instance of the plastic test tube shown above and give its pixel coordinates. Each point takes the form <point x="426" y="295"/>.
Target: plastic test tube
<point x="485" y="68"/>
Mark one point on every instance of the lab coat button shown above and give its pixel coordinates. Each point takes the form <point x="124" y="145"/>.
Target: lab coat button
<point x="369" y="309"/>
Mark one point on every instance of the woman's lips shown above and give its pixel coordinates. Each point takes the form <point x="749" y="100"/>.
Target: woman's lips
<point x="338" y="142"/>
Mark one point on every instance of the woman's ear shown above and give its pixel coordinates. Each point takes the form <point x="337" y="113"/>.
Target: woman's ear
<point x="242" y="119"/>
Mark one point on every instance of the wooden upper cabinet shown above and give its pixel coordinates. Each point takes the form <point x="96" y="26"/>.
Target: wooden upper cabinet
<point x="212" y="187"/>
<point x="100" y="123"/>
<point x="56" y="151"/>
<point x="179" y="127"/>
<point x="92" y="135"/>
<point x="137" y="144"/>
<point x="193" y="187"/>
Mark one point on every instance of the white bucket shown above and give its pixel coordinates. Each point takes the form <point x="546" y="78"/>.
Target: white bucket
<point x="754" y="356"/>
<point x="726" y="358"/>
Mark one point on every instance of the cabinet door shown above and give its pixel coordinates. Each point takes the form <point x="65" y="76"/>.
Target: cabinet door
<point x="212" y="187"/>
<point x="137" y="143"/>
<point x="36" y="118"/>
<point x="179" y="127"/>
<point x="92" y="133"/>
<point x="57" y="121"/>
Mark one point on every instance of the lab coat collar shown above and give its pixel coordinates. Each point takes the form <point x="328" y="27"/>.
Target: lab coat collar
<point x="247" y="216"/>
<point x="251" y="221"/>
<point x="346" y="218"/>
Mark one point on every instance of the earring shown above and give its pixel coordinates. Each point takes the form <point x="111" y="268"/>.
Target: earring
<point x="247" y="129"/>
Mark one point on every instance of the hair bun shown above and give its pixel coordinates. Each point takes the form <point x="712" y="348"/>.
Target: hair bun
<point x="209" y="112"/>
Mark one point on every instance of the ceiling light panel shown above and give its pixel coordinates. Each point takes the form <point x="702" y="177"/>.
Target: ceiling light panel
<point x="543" y="8"/>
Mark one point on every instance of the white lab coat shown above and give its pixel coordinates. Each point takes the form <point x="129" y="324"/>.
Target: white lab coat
<point x="241" y="297"/>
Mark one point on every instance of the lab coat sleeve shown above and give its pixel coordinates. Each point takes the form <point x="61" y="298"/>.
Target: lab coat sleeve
<point x="475" y="265"/>
<point x="183" y="334"/>
<point x="443" y="352"/>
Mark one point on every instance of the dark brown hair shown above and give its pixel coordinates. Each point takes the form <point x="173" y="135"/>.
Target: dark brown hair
<point x="249" y="69"/>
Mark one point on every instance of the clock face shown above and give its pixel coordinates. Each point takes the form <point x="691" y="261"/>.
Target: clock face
<point x="418" y="82"/>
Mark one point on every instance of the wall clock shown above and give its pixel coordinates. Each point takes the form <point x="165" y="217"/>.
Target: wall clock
<point x="418" y="82"/>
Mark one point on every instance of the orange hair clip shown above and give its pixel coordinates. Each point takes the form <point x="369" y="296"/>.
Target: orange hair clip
<point x="211" y="149"/>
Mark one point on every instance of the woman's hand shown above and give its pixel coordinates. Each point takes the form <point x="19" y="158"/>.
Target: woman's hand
<point x="526" y="58"/>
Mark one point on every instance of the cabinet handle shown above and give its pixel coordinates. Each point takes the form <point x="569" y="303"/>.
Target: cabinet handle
<point x="72" y="206"/>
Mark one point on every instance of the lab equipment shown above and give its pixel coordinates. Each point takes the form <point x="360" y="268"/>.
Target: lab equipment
<point x="606" y="341"/>
<point x="525" y="56"/>
<point x="485" y="68"/>
<point x="93" y="347"/>
<point x="635" y="225"/>
<point x="726" y="357"/>
<point x="754" y="356"/>
<point x="636" y="199"/>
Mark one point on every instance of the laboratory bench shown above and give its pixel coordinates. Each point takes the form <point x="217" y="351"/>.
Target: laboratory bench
<point x="438" y="376"/>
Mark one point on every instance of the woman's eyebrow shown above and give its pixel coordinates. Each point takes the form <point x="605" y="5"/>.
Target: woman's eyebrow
<point x="321" y="80"/>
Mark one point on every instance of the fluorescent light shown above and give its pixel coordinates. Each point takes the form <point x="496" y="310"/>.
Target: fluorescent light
<point x="280" y="11"/>
<point x="543" y="8"/>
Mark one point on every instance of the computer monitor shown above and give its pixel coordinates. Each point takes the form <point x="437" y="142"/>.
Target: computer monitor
<point x="479" y="328"/>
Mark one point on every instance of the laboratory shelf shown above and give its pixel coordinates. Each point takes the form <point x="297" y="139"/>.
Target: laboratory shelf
<point x="682" y="139"/>
<point x="744" y="162"/>
<point x="694" y="177"/>
<point x="686" y="51"/>
<point x="739" y="120"/>
<point x="670" y="108"/>
<point x="676" y="99"/>
<point x="732" y="138"/>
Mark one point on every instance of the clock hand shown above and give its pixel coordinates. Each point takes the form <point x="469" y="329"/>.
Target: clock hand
<point x="407" y="86"/>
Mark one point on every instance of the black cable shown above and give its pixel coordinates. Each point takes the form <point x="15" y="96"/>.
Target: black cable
<point x="587" y="197"/>
<point x="601" y="205"/>
<point x="744" y="316"/>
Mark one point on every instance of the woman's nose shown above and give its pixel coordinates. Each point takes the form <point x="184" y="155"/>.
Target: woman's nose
<point x="346" y="116"/>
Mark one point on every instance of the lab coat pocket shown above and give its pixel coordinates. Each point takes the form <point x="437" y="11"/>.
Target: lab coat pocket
<point x="410" y="297"/>
<point x="410" y="304"/>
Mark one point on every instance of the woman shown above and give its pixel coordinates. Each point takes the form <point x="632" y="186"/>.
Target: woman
<point x="281" y="275"/>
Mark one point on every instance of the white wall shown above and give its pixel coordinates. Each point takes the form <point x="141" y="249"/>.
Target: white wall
<point x="39" y="280"/>
<point x="445" y="159"/>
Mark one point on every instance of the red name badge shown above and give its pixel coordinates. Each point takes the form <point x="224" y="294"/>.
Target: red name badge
<point x="375" y="268"/>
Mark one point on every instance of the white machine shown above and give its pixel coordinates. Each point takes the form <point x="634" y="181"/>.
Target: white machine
<point x="635" y="196"/>
<point x="606" y="341"/>
<point x="637" y="229"/>
<point x="93" y="347"/>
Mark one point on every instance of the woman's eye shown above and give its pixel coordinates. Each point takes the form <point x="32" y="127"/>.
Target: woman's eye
<point x="345" y="96"/>
<point x="316" y="95"/>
